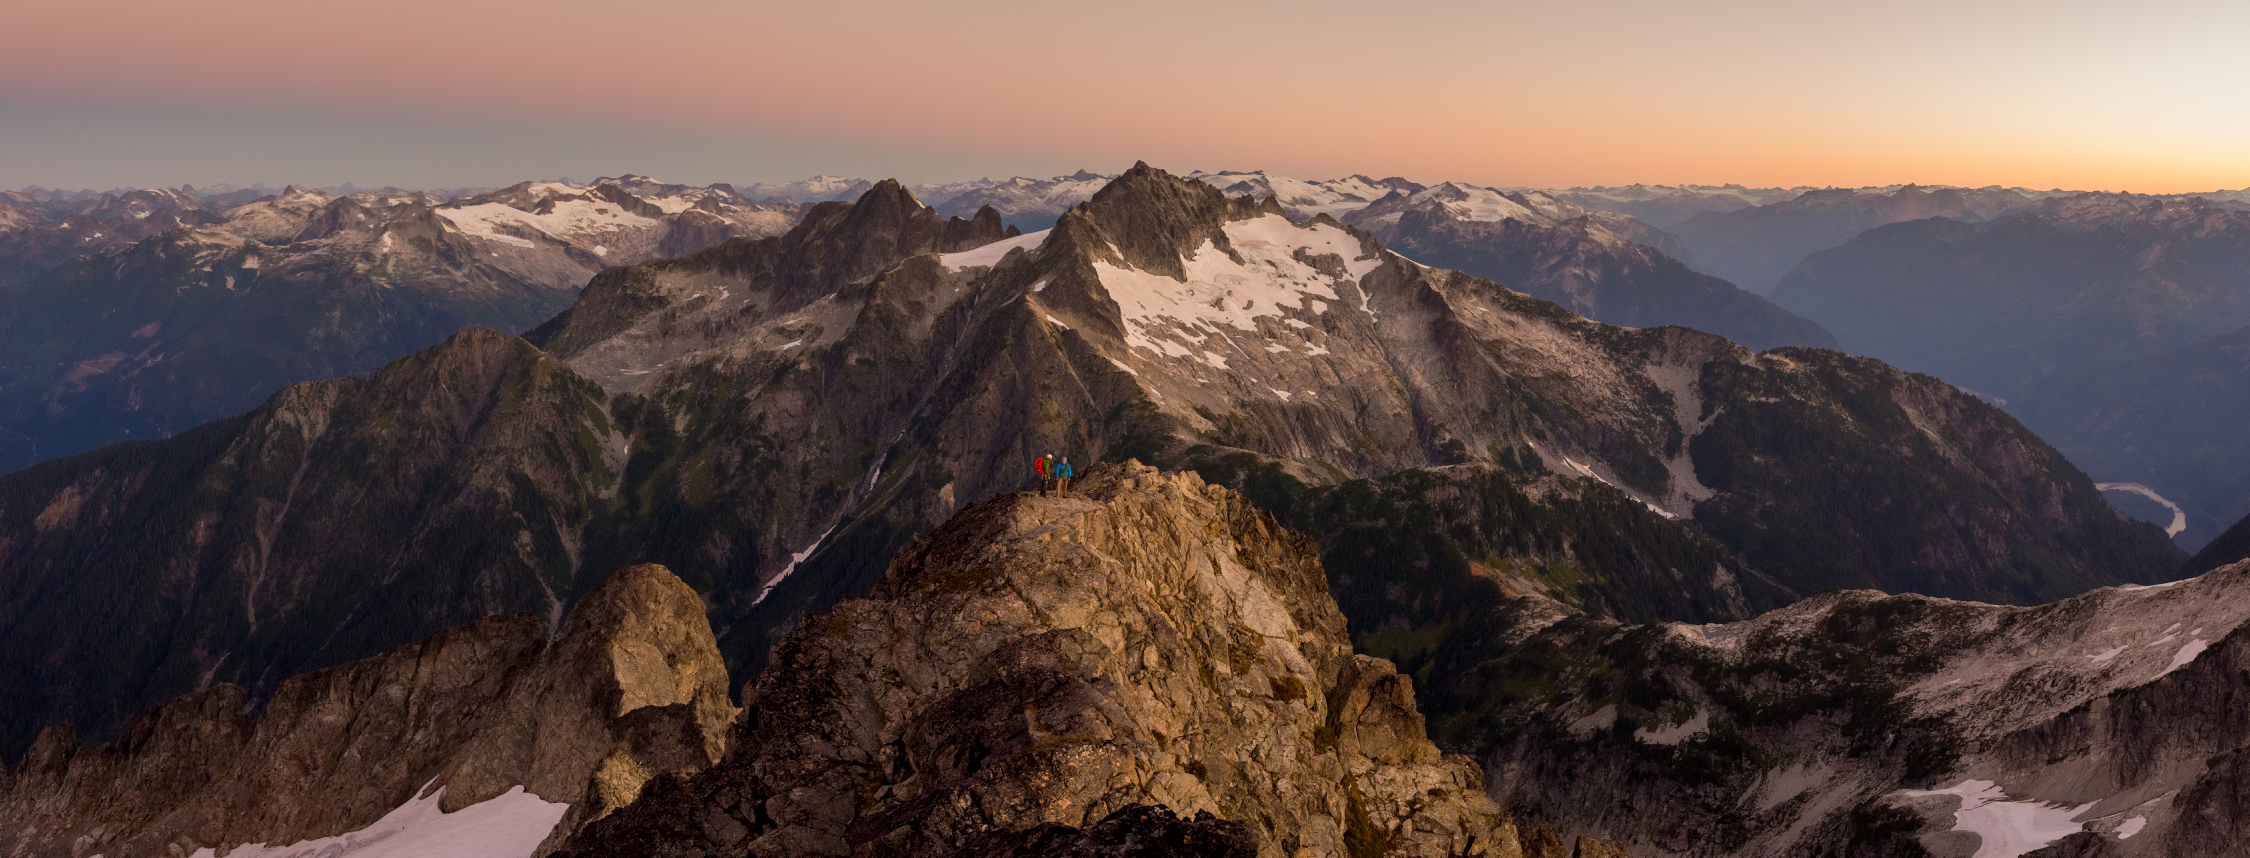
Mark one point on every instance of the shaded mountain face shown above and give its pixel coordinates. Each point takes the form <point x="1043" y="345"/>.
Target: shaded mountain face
<point x="2172" y="422"/>
<point x="1149" y="641"/>
<point x="525" y="737"/>
<point x="2230" y="547"/>
<point x="1754" y="247"/>
<point x="2110" y="323"/>
<point x="156" y="327"/>
<point x="1867" y="724"/>
<point x="2065" y="284"/>
<point x="1598" y="267"/>
<point x="774" y="419"/>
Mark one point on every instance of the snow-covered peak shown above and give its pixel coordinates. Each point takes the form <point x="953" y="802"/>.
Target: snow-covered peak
<point x="1304" y="199"/>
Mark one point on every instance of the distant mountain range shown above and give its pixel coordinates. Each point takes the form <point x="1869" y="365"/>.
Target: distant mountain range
<point x="141" y="315"/>
<point x="1755" y="246"/>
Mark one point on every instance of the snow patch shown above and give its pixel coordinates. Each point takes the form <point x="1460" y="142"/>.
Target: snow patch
<point x="2186" y="654"/>
<point x="507" y="826"/>
<point x="2106" y="655"/>
<point x="2007" y="829"/>
<point x="2150" y="588"/>
<point x="2131" y="827"/>
<point x="794" y="559"/>
<point x="1589" y="473"/>
<point x="991" y="254"/>
<point x="567" y="219"/>
<point x="1676" y="733"/>
<point x="1218" y="291"/>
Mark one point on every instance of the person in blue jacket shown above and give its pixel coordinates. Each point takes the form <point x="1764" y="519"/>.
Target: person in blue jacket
<point x="1062" y="476"/>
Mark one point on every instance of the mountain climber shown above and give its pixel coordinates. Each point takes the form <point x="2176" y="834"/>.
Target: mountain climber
<point x="1062" y="475"/>
<point x="1045" y="467"/>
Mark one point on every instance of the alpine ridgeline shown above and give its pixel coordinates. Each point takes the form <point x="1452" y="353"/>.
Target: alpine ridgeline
<point x="1860" y="723"/>
<point x="1148" y="651"/>
<point x="1604" y="266"/>
<point x="774" y="419"/>
<point x="145" y="315"/>
<point x="517" y="738"/>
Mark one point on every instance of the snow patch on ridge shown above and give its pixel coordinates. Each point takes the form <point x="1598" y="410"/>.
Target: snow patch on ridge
<point x="510" y="825"/>
<point x="991" y="254"/>
<point x="1218" y="291"/>
<point x="2006" y="829"/>
<point x="568" y="219"/>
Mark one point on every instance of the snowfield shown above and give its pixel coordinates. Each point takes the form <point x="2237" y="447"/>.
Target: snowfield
<point x="2007" y="829"/>
<point x="508" y="826"/>
<point x="1220" y="292"/>
<point x="991" y="254"/>
<point x="570" y="219"/>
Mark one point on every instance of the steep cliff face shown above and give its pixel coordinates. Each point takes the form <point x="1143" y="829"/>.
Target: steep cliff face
<point x="1040" y="660"/>
<point x="1862" y="723"/>
<point x="630" y="688"/>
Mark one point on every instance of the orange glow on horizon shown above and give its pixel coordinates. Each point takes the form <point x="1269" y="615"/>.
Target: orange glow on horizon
<point x="2077" y="96"/>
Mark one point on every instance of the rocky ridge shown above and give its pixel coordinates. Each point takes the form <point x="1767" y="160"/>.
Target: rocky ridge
<point x="629" y="688"/>
<point x="1148" y="641"/>
<point x="1875" y="724"/>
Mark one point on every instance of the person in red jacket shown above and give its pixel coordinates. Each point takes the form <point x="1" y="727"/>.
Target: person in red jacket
<point x="1045" y="466"/>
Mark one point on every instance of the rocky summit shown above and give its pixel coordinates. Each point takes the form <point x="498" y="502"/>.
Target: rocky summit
<point x="1147" y="650"/>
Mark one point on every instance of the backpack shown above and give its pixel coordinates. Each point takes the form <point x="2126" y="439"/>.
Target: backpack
<point x="1040" y="465"/>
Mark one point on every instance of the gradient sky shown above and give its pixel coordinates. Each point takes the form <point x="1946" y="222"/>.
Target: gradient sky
<point x="432" y="93"/>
